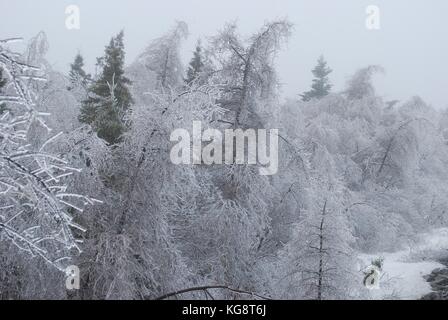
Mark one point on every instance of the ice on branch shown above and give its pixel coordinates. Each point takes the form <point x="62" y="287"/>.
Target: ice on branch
<point x="35" y="207"/>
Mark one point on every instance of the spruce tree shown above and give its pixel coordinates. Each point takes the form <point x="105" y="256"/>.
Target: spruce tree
<point x="321" y="84"/>
<point x="77" y="75"/>
<point x="109" y="96"/>
<point x="196" y="65"/>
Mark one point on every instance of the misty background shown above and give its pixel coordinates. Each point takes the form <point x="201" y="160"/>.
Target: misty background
<point x="411" y="44"/>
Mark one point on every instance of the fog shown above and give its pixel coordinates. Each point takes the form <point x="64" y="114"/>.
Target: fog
<point x="411" y="43"/>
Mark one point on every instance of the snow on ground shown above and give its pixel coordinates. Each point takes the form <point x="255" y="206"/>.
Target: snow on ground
<point x="403" y="271"/>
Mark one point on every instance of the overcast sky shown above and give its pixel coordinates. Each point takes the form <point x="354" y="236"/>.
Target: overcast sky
<point x="412" y="44"/>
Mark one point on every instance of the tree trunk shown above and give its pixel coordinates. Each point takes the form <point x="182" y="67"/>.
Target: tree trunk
<point x="321" y="258"/>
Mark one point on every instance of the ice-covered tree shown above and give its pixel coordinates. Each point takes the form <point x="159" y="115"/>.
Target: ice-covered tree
<point x="234" y="217"/>
<point x="54" y="97"/>
<point x="35" y="200"/>
<point x="160" y="65"/>
<point x="136" y="238"/>
<point x="318" y="260"/>
<point x="77" y="75"/>
<point x="360" y="85"/>
<point x="247" y="69"/>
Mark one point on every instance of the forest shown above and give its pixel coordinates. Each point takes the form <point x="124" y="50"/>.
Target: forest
<point x="86" y="177"/>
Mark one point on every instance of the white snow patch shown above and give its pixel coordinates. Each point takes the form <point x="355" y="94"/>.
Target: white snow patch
<point x="403" y="271"/>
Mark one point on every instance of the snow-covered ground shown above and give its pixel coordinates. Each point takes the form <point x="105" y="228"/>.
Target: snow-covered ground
<point x="403" y="271"/>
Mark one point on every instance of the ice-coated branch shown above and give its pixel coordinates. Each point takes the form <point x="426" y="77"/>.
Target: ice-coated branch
<point x="205" y="288"/>
<point x="35" y="205"/>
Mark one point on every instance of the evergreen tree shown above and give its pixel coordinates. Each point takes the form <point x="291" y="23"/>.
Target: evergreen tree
<point x="109" y="96"/>
<point x="77" y="75"/>
<point x="321" y="84"/>
<point x="2" y="84"/>
<point x="196" y="65"/>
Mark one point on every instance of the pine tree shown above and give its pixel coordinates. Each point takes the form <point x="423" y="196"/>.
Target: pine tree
<point x="321" y="85"/>
<point x="196" y="65"/>
<point x="77" y="75"/>
<point x="109" y="96"/>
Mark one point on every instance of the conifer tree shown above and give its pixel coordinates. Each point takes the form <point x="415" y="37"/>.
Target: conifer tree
<point x="77" y="75"/>
<point x="109" y="96"/>
<point x="321" y="84"/>
<point x="196" y="65"/>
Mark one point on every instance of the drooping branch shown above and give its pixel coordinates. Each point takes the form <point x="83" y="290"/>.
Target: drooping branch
<point x="205" y="288"/>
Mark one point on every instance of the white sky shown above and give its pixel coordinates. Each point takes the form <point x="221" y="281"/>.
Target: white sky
<point x="412" y="44"/>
